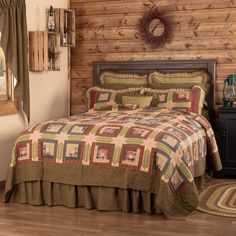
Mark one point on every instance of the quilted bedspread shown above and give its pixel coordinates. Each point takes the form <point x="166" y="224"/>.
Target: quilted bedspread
<point x="156" y="151"/>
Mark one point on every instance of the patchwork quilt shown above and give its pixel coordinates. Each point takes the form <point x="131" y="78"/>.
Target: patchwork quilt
<point x="156" y="151"/>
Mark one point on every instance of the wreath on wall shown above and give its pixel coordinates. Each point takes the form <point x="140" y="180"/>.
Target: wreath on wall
<point x="148" y="35"/>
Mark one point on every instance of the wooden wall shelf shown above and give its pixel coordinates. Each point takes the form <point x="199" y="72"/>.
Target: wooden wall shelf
<point x="53" y="51"/>
<point x="65" y="25"/>
<point x="44" y="51"/>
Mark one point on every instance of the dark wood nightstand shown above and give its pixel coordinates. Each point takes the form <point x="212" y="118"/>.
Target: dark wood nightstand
<point x="227" y="140"/>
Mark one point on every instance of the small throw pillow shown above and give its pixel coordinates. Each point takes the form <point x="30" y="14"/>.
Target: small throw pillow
<point x="129" y="107"/>
<point x="144" y="101"/>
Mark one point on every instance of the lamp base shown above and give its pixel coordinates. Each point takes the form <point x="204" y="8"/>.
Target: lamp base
<point x="228" y="103"/>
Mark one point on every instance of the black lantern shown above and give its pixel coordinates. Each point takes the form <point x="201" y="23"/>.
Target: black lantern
<point x="51" y="19"/>
<point x="228" y="91"/>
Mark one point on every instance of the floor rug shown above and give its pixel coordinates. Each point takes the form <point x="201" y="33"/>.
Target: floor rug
<point x="219" y="199"/>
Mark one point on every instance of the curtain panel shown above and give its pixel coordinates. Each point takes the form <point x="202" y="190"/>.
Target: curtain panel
<point x="14" y="42"/>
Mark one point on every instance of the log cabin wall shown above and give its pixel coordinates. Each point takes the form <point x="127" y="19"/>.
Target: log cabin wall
<point x="107" y="30"/>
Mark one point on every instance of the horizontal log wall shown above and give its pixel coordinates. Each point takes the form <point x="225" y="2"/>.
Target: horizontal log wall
<point x="107" y="30"/>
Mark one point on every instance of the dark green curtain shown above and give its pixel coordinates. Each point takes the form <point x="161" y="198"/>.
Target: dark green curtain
<point x="14" y="41"/>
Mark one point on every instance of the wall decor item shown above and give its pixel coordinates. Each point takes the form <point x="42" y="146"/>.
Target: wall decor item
<point x="51" y="19"/>
<point x="65" y="25"/>
<point x="53" y="51"/>
<point x="148" y="25"/>
<point x="44" y="51"/>
<point x="228" y="91"/>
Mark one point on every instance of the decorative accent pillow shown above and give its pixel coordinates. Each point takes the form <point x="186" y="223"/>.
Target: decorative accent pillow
<point x="144" y="101"/>
<point x="160" y="80"/>
<point x="129" y="107"/>
<point x="184" y="99"/>
<point x="127" y="92"/>
<point x="116" y="81"/>
<point x="104" y="99"/>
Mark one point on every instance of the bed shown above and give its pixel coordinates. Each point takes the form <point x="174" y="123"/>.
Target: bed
<point x="131" y="160"/>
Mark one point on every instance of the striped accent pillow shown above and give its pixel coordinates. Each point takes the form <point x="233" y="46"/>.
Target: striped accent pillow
<point x="144" y="101"/>
<point x="117" y="81"/>
<point x="129" y="107"/>
<point x="183" y="99"/>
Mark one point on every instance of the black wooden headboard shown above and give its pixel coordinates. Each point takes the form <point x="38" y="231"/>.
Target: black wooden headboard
<point x="146" y="67"/>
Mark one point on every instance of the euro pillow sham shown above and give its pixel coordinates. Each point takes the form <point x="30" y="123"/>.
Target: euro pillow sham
<point x="174" y="80"/>
<point x="106" y="99"/>
<point x="117" y="81"/>
<point x="181" y="99"/>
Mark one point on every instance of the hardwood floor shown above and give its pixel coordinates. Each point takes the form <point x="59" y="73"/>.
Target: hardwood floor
<point x="24" y="220"/>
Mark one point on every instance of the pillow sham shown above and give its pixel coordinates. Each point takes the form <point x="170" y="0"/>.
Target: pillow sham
<point x="160" y="80"/>
<point x="183" y="99"/>
<point x="104" y="99"/>
<point x="117" y="81"/>
<point x="99" y="98"/>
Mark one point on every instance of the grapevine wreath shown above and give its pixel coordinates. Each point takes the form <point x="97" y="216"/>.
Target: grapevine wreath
<point x="149" y="37"/>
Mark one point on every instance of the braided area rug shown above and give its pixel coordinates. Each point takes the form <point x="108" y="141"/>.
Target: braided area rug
<point x="219" y="199"/>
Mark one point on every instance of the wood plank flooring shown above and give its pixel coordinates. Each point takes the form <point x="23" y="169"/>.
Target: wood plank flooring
<point x="24" y="220"/>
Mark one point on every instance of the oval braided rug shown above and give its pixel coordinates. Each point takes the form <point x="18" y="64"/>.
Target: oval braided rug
<point x="219" y="199"/>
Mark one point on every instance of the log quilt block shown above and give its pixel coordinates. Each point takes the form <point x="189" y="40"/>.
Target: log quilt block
<point x="80" y="129"/>
<point x="109" y="130"/>
<point x="132" y="156"/>
<point x="52" y="128"/>
<point x="101" y="154"/>
<point x="73" y="150"/>
<point x="23" y="150"/>
<point x="100" y="98"/>
<point x="137" y="132"/>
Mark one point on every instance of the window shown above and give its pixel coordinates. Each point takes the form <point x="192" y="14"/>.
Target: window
<point x="5" y="80"/>
<point x="7" y="106"/>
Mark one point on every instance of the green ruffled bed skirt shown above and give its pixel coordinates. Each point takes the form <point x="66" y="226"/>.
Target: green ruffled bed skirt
<point x="91" y="197"/>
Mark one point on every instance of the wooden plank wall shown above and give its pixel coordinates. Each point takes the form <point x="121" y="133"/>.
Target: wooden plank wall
<point x="107" y="30"/>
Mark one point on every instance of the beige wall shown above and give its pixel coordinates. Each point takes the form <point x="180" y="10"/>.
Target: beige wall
<point x="49" y="90"/>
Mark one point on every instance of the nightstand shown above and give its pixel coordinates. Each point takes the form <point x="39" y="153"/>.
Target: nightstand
<point x="227" y="140"/>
